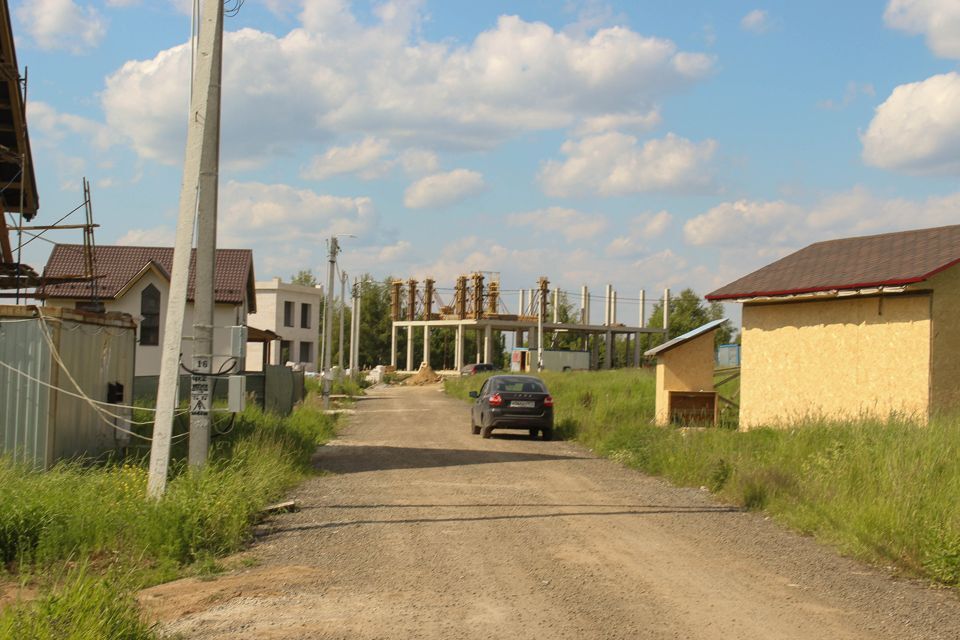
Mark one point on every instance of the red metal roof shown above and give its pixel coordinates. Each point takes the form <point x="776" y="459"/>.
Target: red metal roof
<point x="889" y="259"/>
<point x="118" y="265"/>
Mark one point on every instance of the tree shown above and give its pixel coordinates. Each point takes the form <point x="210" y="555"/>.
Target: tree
<point x="687" y="312"/>
<point x="304" y="277"/>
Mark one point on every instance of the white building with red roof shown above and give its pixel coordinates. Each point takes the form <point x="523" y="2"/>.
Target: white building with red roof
<point x="136" y="280"/>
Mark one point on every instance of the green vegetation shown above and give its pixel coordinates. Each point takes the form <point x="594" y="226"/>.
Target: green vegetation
<point x="884" y="491"/>
<point x="98" y="517"/>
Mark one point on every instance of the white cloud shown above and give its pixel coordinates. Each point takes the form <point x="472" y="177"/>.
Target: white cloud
<point x="276" y="216"/>
<point x="364" y="157"/>
<point x="162" y="236"/>
<point x="393" y="252"/>
<point x="343" y="78"/>
<point x="636" y="122"/>
<point x="757" y="21"/>
<point x="613" y="164"/>
<point x="62" y="24"/>
<point x="643" y="228"/>
<point x="771" y="228"/>
<point x="573" y="225"/>
<point x="652" y="225"/>
<point x="742" y="222"/>
<point x="53" y="127"/>
<point x="443" y="189"/>
<point x="937" y="20"/>
<point x="917" y="129"/>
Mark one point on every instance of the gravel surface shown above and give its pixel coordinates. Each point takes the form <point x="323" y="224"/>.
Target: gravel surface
<point x="423" y="530"/>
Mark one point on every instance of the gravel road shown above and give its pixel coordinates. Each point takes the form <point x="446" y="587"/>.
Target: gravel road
<point x="423" y="530"/>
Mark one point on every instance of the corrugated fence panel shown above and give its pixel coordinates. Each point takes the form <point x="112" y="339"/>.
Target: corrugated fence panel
<point x="25" y="409"/>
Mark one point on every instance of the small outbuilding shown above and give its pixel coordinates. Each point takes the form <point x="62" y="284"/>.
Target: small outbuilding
<point x="852" y="328"/>
<point x="685" y="366"/>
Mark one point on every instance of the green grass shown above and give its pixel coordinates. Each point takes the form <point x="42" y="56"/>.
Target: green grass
<point x="99" y="515"/>
<point x="882" y="490"/>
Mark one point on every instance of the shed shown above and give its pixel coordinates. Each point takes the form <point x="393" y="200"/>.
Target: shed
<point x="852" y="328"/>
<point x="66" y="380"/>
<point x="685" y="390"/>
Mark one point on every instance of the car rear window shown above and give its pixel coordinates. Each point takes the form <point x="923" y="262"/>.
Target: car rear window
<point x="520" y="386"/>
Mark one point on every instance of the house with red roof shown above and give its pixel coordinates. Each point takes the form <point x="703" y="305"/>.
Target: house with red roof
<point x="853" y="327"/>
<point x="136" y="280"/>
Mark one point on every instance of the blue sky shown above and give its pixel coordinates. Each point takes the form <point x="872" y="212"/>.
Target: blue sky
<point x="625" y="142"/>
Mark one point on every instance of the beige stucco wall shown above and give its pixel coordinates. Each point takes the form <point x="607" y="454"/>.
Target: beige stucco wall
<point x="271" y="295"/>
<point x="838" y="358"/>
<point x="148" y="357"/>
<point x="687" y="367"/>
<point x="945" y="341"/>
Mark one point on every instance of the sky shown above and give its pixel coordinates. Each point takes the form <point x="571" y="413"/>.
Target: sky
<point x="638" y="143"/>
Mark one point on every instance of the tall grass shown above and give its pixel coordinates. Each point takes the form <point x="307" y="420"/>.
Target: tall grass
<point x="99" y="515"/>
<point x="882" y="490"/>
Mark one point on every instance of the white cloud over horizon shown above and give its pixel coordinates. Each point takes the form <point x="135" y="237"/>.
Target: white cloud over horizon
<point x="62" y="24"/>
<point x="573" y="225"/>
<point x="443" y="189"/>
<point x="756" y="21"/>
<point x="937" y="20"/>
<point x="917" y="128"/>
<point x="344" y="78"/>
<point x="614" y="163"/>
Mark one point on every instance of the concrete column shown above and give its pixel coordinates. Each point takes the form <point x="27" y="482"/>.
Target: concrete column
<point x="479" y="342"/>
<point x="613" y="308"/>
<point x="666" y="309"/>
<point x="607" y="298"/>
<point x="583" y="305"/>
<point x="488" y="344"/>
<point x="594" y="341"/>
<point x="410" y="348"/>
<point x="608" y="357"/>
<point x="518" y="337"/>
<point x="393" y="346"/>
<point x="636" y="350"/>
<point x="643" y="315"/>
<point x="556" y="306"/>
<point x="533" y="342"/>
<point x="426" y="344"/>
<point x="460" y="347"/>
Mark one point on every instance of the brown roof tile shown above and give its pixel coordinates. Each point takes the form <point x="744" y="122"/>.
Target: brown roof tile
<point x="117" y="265"/>
<point x="888" y="259"/>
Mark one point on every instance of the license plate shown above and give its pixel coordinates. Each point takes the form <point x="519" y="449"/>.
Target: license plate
<point x="523" y="404"/>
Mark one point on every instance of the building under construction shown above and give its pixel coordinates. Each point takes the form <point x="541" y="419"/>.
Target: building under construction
<point x="477" y="305"/>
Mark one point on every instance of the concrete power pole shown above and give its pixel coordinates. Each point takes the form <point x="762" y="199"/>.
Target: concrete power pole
<point x="201" y="140"/>
<point x="201" y="396"/>
<point x="328" y="321"/>
<point x="343" y="311"/>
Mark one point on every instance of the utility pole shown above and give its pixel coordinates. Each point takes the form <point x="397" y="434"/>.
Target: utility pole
<point x="355" y="329"/>
<point x="328" y="321"/>
<point x="343" y="311"/>
<point x="204" y="111"/>
<point x="201" y="393"/>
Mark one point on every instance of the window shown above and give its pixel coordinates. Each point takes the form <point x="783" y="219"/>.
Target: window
<point x="306" y="352"/>
<point x="305" y="316"/>
<point x="150" y="316"/>
<point x="288" y="314"/>
<point x="285" y="347"/>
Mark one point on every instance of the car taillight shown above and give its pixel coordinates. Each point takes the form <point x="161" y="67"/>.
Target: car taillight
<point x="548" y="401"/>
<point x="495" y="400"/>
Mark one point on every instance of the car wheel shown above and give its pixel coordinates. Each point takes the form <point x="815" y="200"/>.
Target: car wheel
<point x="547" y="434"/>
<point x="474" y="428"/>
<point x="487" y="431"/>
<point x="533" y="433"/>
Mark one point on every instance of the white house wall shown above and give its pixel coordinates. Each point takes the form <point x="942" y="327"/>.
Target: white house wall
<point x="271" y="296"/>
<point x="148" y="356"/>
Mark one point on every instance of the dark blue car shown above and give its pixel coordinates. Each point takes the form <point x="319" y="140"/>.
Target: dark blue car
<point x="512" y="402"/>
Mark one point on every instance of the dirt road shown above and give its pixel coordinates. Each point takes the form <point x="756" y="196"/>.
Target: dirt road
<point x="422" y="530"/>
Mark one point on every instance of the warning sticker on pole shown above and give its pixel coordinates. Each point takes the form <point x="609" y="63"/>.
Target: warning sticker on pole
<point x="199" y="395"/>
